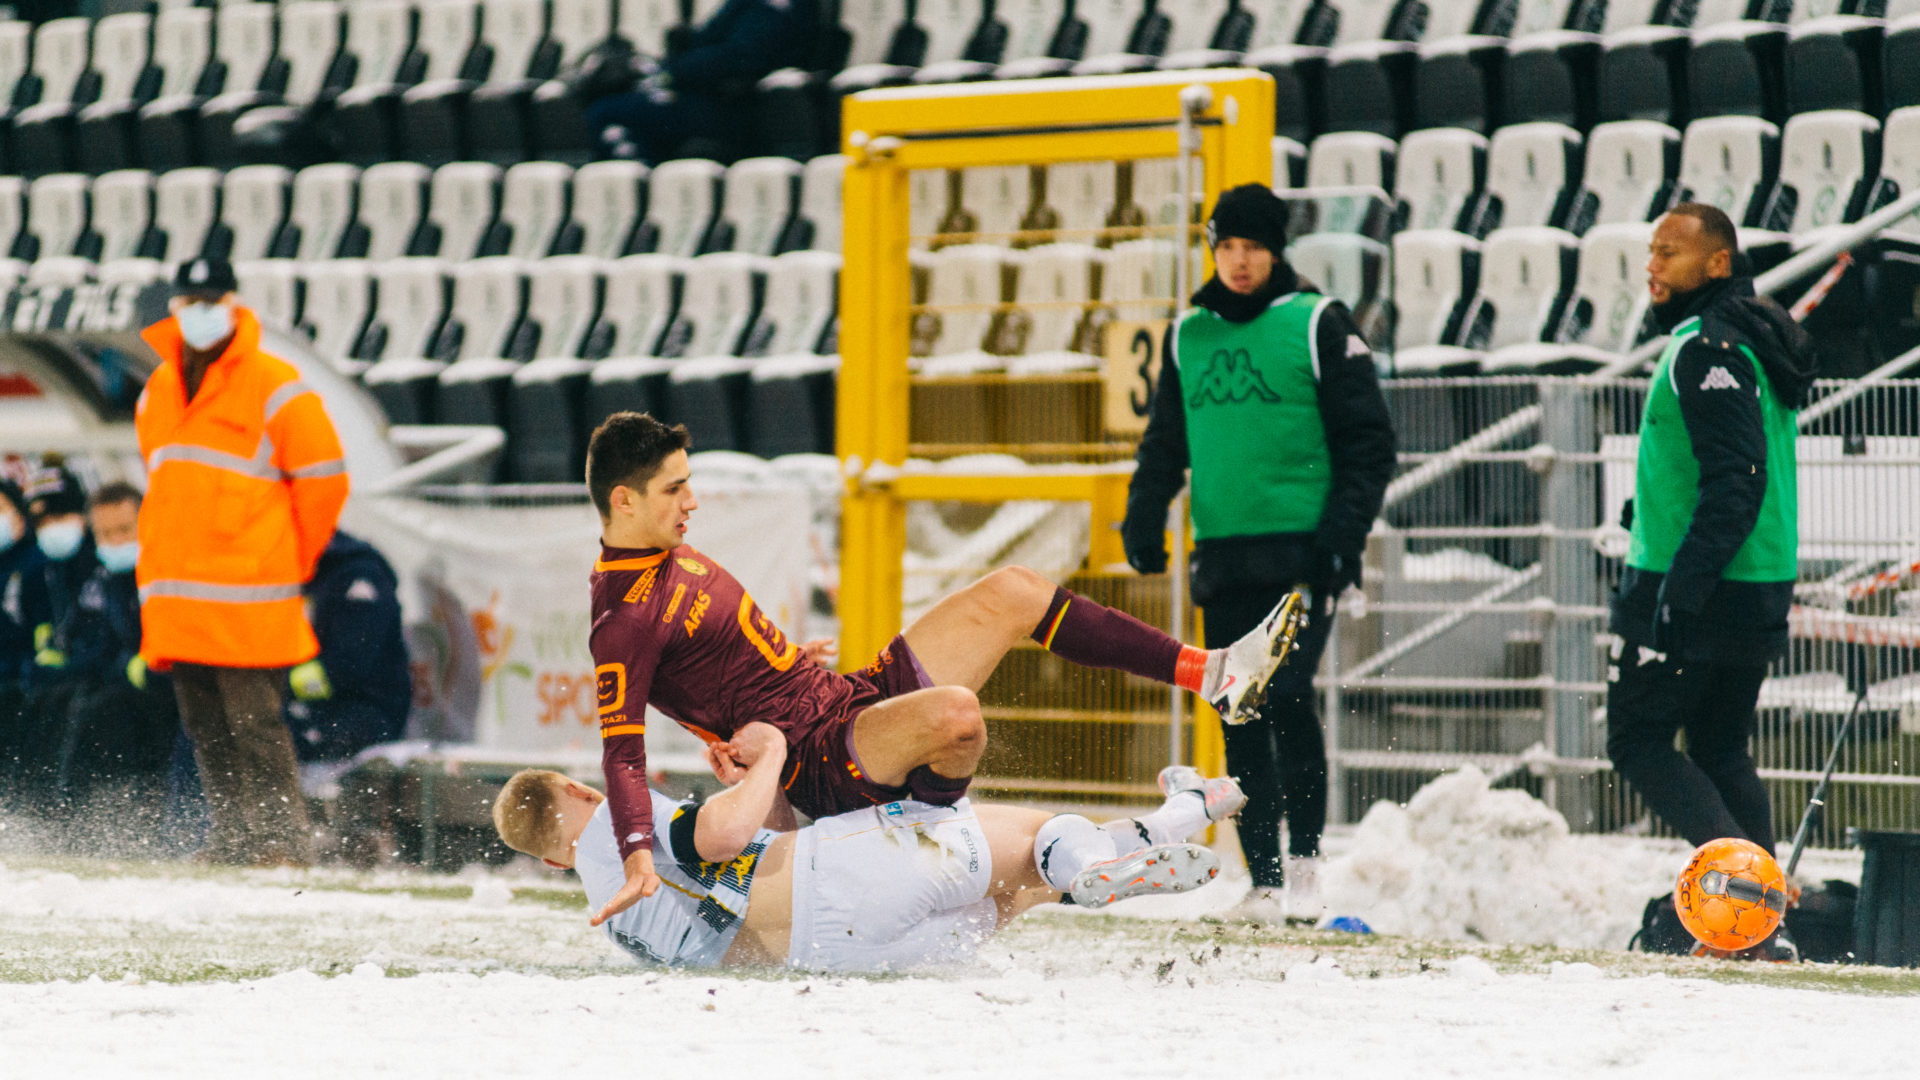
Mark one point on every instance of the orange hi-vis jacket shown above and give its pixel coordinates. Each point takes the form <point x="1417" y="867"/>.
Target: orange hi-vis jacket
<point x="244" y="486"/>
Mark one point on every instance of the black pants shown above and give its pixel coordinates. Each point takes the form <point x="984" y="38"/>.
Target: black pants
<point x="1713" y="790"/>
<point x="256" y="812"/>
<point x="1280" y="756"/>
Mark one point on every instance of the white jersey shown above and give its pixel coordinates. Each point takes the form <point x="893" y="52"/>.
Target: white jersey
<point x="692" y="919"/>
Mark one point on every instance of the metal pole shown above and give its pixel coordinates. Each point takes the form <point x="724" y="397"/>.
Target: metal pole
<point x="1177" y="622"/>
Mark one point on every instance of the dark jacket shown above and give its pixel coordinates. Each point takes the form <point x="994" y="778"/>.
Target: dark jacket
<point x="65" y="580"/>
<point x="100" y="631"/>
<point x="23" y="606"/>
<point x="742" y="42"/>
<point x="1360" y="441"/>
<point x="353" y="602"/>
<point x="1726" y="621"/>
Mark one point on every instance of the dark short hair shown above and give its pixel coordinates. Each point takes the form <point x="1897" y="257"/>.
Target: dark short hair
<point x="1716" y="228"/>
<point x="114" y="494"/>
<point x="626" y="450"/>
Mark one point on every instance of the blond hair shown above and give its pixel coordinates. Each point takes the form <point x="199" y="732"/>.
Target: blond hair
<point x="526" y="813"/>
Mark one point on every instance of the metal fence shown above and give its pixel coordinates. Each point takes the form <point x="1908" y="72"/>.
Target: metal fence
<point x="1481" y="636"/>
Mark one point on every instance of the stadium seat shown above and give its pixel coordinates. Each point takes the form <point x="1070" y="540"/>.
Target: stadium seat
<point x="410" y="306"/>
<point x="1834" y="63"/>
<point x="336" y="302"/>
<point x="393" y="204"/>
<point x="1643" y="75"/>
<point x="1138" y="283"/>
<point x="965" y="279"/>
<point x="322" y="213"/>
<point x="1716" y="13"/>
<point x="993" y="200"/>
<point x="605" y="219"/>
<point x="1438" y="176"/>
<point x="1363" y="163"/>
<point x="59" y="272"/>
<point x="683" y="204"/>
<point x="533" y="208"/>
<point x="1893" y="287"/>
<point x="1355" y="270"/>
<point x="306" y="56"/>
<point x="1526" y="279"/>
<point x="123" y="214"/>
<point x="1082" y="195"/>
<point x="708" y="389"/>
<point x="1202" y="33"/>
<point x="253" y="208"/>
<point x="1622" y="15"/>
<point x="481" y="338"/>
<point x="182" y="60"/>
<point x="993" y="40"/>
<point x="57" y="220"/>
<point x="1829" y="161"/>
<point x="366" y="115"/>
<point x="1732" y="162"/>
<point x="757" y="206"/>
<point x="1553" y="78"/>
<point x="13" y="219"/>
<point x="1533" y="173"/>
<point x="817" y="224"/>
<point x="1042" y="329"/>
<point x="642" y="292"/>
<point x="1282" y="23"/>
<point x="16" y="62"/>
<point x="379" y="60"/>
<point x="1610" y="298"/>
<point x="883" y="45"/>
<point x="1435" y="274"/>
<point x="1111" y="40"/>
<point x="119" y="85"/>
<point x="1630" y="173"/>
<point x="1376" y="20"/>
<point x="1460" y="83"/>
<point x="1738" y="69"/>
<point x="271" y="287"/>
<point x="1369" y="87"/>
<point x="1900" y="62"/>
<point x="646" y="22"/>
<point x="1032" y="29"/>
<point x="463" y="202"/>
<point x="43" y="131"/>
<point x="927" y="200"/>
<point x="480" y="111"/>
<point x="791" y="390"/>
<point x="546" y="407"/>
<point x="186" y="212"/>
<point x="176" y="130"/>
<point x="132" y="273"/>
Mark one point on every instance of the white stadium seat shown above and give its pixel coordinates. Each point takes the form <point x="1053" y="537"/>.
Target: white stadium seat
<point x="578" y="25"/>
<point x="995" y="197"/>
<point x="1612" y="291"/>
<point x="393" y="201"/>
<point x="1047" y="279"/>
<point x="463" y="201"/>
<point x="607" y="201"/>
<point x="533" y="206"/>
<point x="1825" y="160"/>
<point x="122" y="213"/>
<point x="1083" y="193"/>
<point x="253" y="207"/>
<point x="1138" y="283"/>
<point x="967" y="275"/>
<point x="798" y="310"/>
<point x="641" y="292"/>
<point x="758" y="204"/>
<point x="57" y="214"/>
<point x="186" y="206"/>
<point x="1630" y="170"/>
<point x="1351" y="159"/>
<point x="819" y="220"/>
<point x="1289" y="162"/>
<point x="1434" y="273"/>
<point x="271" y="287"/>
<point x="1730" y="162"/>
<point x="1531" y="171"/>
<point x="59" y="272"/>
<point x="646" y="22"/>
<point x="1526" y="275"/>
<point x="716" y="305"/>
<point x="1438" y="176"/>
<point x="13" y="213"/>
<point x="1356" y="270"/>
<point x="683" y="198"/>
<point x="410" y="304"/>
<point x="563" y="300"/>
<point x="322" y="211"/>
<point x="334" y="308"/>
<point x="1900" y="163"/>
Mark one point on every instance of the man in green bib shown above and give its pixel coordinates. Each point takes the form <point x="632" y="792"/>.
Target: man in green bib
<point x="1268" y="393"/>
<point x="1702" y="604"/>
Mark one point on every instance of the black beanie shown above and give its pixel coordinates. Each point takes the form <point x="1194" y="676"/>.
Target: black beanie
<point x="53" y="490"/>
<point x="1251" y="212"/>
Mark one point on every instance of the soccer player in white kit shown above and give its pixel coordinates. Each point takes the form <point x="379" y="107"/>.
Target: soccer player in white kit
<point x="887" y="888"/>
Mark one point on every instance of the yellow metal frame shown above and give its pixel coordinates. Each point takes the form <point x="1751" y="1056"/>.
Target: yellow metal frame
<point x="887" y="133"/>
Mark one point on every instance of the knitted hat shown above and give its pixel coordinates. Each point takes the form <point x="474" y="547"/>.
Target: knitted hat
<point x="1251" y="212"/>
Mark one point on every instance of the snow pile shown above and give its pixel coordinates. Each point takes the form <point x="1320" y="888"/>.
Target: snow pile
<point x="1464" y="861"/>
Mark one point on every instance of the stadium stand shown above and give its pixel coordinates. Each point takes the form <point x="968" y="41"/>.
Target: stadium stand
<point x="398" y="180"/>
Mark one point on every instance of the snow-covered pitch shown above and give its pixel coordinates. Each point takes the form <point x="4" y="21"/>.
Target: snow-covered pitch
<point x="1499" y="959"/>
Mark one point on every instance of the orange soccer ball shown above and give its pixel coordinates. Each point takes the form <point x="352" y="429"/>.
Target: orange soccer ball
<point x="1731" y="895"/>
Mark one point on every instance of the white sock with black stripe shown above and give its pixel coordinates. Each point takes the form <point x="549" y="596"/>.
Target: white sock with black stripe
<point x="1183" y="814"/>
<point x="1067" y="844"/>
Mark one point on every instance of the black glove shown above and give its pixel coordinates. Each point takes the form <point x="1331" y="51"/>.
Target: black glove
<point x="1146" y="543"/>
<point x="1330" y="572"/>
<point x="1626" y="514"/>
<point x="1669" y="630"/>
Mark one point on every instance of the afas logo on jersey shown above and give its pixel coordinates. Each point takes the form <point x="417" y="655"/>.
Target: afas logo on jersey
<point x="693" y="566"/>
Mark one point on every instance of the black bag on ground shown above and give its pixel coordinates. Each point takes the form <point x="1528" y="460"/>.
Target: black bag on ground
<point x="1661" y="931"/>
<point x="1821" y="924"/>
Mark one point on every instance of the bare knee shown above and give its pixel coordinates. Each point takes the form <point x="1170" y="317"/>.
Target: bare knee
<point x="956" y="718"/>
<point x="1016" y="591"/>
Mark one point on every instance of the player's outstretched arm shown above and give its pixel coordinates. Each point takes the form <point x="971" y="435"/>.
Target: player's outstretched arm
<point x="729" y="821"/>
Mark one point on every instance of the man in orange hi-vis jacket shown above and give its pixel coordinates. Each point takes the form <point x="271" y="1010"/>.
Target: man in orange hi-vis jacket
<point x="245" y="481"/>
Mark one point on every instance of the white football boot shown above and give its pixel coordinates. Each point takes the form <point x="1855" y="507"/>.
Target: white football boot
<point x="1221" y="794"/>
<point x="1160" y="868"/>
<point x="1249" y="663"/>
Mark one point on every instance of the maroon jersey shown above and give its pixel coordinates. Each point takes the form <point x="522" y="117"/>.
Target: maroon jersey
<point x="674" y="630"/>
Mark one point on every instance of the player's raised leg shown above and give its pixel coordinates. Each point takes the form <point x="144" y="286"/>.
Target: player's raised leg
<point x="964" y="637"/>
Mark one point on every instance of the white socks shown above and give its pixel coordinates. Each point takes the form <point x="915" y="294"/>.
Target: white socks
<point x="1069" y="843"/>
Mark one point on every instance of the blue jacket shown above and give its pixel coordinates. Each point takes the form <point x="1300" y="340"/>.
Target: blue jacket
<point x="353" y="603"/>
<point x="100" y="629"/>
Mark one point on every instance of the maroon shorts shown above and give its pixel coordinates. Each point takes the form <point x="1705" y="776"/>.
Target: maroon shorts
<point x="824" y="776"/>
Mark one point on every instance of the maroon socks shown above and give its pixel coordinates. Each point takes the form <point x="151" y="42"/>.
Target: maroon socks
<point x="1093" y="635"/>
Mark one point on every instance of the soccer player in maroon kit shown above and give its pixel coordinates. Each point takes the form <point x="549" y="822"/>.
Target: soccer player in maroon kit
<point x="673" y="629"/>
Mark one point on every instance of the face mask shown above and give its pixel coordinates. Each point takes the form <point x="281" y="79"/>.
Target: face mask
<point x="203" y="326"/>
<point x="9" y="532"/>
<point x="119" y="558"/>
<point x="59" y="540"/>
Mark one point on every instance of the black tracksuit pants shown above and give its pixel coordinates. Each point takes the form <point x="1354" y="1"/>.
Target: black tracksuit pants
<point x="1713" y="790"/>
<point x="1280" y="757"/>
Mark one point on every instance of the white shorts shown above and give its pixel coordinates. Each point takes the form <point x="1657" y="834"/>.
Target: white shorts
<point x="898" y="886"/>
